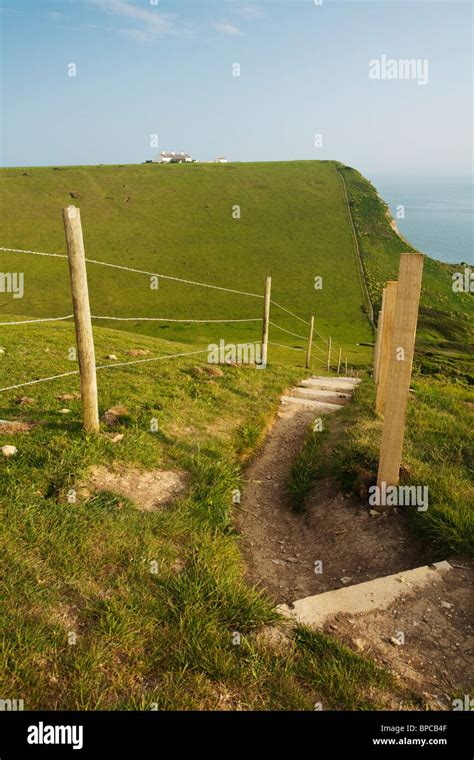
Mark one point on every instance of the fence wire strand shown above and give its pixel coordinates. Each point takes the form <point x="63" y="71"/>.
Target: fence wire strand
<point x="163" y="319"/>
<point x="105" y="366"/>
<point x="139" y="271"/>
<point x="35" y="321"/>
<point x="283" y="329"/>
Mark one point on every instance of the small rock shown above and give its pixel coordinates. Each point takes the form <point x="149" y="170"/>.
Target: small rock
<point x="112" y="357"/>
<point x="73" y="194"/>
<point x="374" y="513"/>
<point x="346" y="579"/>
<point x="359" y="644"/>
<point x="64" y="411"/>
<point x="9" y="451"/>
<point x="278" y="562"/>
<point x="395" y="642"/>
<point x="2" y="350"/>
<point x="446" y="605"/>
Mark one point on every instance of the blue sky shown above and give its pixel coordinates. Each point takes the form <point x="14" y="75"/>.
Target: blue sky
<point x="166" y="69"/>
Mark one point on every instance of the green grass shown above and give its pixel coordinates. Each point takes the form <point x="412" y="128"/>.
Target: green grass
<point x="148" y="639"/>
<point x="178" y="221"/>
<point x="166" y="638"/>
<point x="437" y="453"/>
<point x="307" y="468"/>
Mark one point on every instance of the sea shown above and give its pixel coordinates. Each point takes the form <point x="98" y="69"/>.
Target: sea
<point x="439" y="214"/>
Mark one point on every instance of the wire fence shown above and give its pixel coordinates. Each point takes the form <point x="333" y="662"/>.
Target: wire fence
<point x="171" y="320"/>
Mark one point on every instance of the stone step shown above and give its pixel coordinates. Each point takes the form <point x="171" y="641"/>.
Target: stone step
<point x="318" y="406"/>
<point x="324" y="385"/>
<point x="318" y="394"/>
<point x="366" y="597"/>
<point x="337" y="378"/>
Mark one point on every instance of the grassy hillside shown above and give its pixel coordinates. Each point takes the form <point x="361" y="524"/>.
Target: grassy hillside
<point x="143" y="638"/>
<point x="446" y="321"/>
<point x="166" y="638"/>
<point x="177" y="220"/>
<point x="437" y="453"/>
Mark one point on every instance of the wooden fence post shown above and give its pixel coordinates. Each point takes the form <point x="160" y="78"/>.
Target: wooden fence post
<point x="400" y="366"/>
<point x="339" y="362"/>
<point x="379" y="337"/>
<point x="310" y="343"/>
<point x="385" y="344"/>
<point x="345" y="364"/>
<point x="82" y="318"/>
<point x="329" y="353"/>
<point x="266" y="320"/>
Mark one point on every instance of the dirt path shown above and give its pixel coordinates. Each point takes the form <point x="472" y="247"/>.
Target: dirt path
<point x="280" y="546"/>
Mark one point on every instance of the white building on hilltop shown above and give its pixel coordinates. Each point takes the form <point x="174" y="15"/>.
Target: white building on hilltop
<point x="167" y="157"/>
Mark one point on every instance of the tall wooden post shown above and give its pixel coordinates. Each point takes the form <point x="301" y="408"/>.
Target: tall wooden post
<point x="345" y="366"/>
<point x="329" y="353"/>
<point x="266" y="320"/>
<point x="339" y="362"/>
<point x="82" y="318"/>
<point x="385" y="345"/>
<point x="379" y="337"/>
<point x="400" y="366"/>
<point x="310" y="343"/>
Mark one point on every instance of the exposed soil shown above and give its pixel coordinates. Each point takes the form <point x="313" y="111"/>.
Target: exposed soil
<point x="280" y="546"/>
<point x="11" y="427"/>
<point x="149" y="490"/>
<point x="437" y="657"/>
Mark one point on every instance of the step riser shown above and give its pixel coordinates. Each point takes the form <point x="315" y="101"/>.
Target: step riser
<point x="321" y="406"/>
<point x="362" y="598"/>
<point x="322" y="400"/>
<point x="320" y="386"/>
<point x="316" y="395"/>
<point x="337" y="379"/>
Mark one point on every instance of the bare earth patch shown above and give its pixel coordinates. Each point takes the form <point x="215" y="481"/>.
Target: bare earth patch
<point x="149" y="490"/>
<point x="10" y="427"/>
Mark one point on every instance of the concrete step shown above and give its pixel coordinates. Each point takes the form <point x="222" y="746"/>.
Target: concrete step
<point x="318" y="406"/>
<point x="339" y="386"/>
<point x="362" y="597"/>
<point x="318" y="394"/>
<point x="337" y="378"/>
